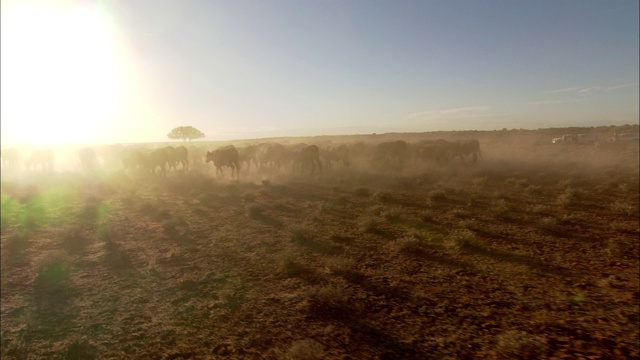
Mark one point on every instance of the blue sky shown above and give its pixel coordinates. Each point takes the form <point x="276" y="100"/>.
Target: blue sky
<point x="246" y="69"/>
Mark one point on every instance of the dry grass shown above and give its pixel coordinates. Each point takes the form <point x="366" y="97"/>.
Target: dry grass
<point x="515" y="344"/>
<point x="410" y="245"/>
<point x="340" y="264"/>
<point x="506" y="258"/>
<point x="328" y="301"/>
<point x="303" y="350"/>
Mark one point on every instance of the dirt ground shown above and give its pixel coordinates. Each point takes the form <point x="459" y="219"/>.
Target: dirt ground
<point x="531" y="253"/>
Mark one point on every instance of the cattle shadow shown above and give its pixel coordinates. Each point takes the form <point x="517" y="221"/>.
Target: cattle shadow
<point x="534" y="264"/>
<point x="430" y="253"/>
<point x="390" y="348"/>
<point x="359" y="279"/>
<point x="268" y="220"/>
<point x="320" y="246"/>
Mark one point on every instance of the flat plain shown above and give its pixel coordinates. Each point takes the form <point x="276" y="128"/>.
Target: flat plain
<point x="531" y="252"/>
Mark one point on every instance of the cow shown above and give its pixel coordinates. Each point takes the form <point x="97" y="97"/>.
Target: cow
<point x="88" y="159"/>
<point x="225" y="156"/>
<point x="196" y="155"/>
<point x="41" y="158"/>
<point x="338" y="154"/>
<point x="273" y="156"/>
<point x="10" y="158"/>
<point x="249" y="155"/>
<point x="134" y="159"/>
<point x="156" y="158"/>
<point x="307" y="157"/>
<point x="471" y="147"/>
<point x="437" y="151"/>
<point x="390" y="154"/>
<point x="175" y="156"/>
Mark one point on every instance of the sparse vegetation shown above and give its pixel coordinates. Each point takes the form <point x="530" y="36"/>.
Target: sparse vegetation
<point x="328" y="300"/>
<point x="549" y="224"/>
<point x="304" y="350"/>
<point x="368" y="223"/>
<point x="515" y="344"/>
<point x="300" y="234"/>
<point x="410" y="245"/>
<point x="522" y="262"/>
<point x="340" y="265"/>
<point x="463" y="238"/>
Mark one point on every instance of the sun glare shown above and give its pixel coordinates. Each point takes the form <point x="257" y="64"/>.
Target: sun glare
<point x="61" y="77"/>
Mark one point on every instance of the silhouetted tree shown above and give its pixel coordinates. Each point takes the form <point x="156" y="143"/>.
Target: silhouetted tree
<point x="185" y="132"/>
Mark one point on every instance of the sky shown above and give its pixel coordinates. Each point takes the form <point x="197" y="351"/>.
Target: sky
<point x="131" y="71"/>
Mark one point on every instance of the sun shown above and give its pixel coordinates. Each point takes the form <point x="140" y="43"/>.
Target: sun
<point x="61" y="75"/>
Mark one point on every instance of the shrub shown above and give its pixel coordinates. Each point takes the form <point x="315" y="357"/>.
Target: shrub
<point x="383" y="196"/>
<point x="340" y="264"/>
<point x="540" y="209"/>
<point x="501" y="209"/>
<point x="328" y="300"/>
<point x="363" y="192"/>
<point x="567" y="198"/>
<point x="463" y="238"/>
<point x="438" y="194"/>
<point x="469" y="224"/>
<point x="623" y="208"/>
<point x="392" y="214"/>
<point x="368" y="223"/>
<point x="533" y="190"/>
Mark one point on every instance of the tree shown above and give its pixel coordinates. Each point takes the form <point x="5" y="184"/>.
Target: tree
<point x="185" y="132"/>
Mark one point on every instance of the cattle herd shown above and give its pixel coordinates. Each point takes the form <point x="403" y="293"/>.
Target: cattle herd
<point x="262" y="158"/>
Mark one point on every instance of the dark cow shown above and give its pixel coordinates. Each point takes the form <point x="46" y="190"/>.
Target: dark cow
<point x="339" y="154"/>
<point x="472" y="147"/>
<point x="390" y="155"/>
<point x="225" y="156"/>
<point x="307" y="157"/>
<point x="197" y="155"/>
<point x="154" y="159"/>
<point x="437" y="151"/>
<point x="134" y="159"/>
<point x="273" y="156"/>
<point x="175" y="156"/>
<point x="249" y="155"/>
<point x="465" y="148"/>
<point x="40" y="158"/>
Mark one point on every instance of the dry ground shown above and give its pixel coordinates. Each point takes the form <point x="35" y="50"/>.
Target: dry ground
<point x="531" y="253"/>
